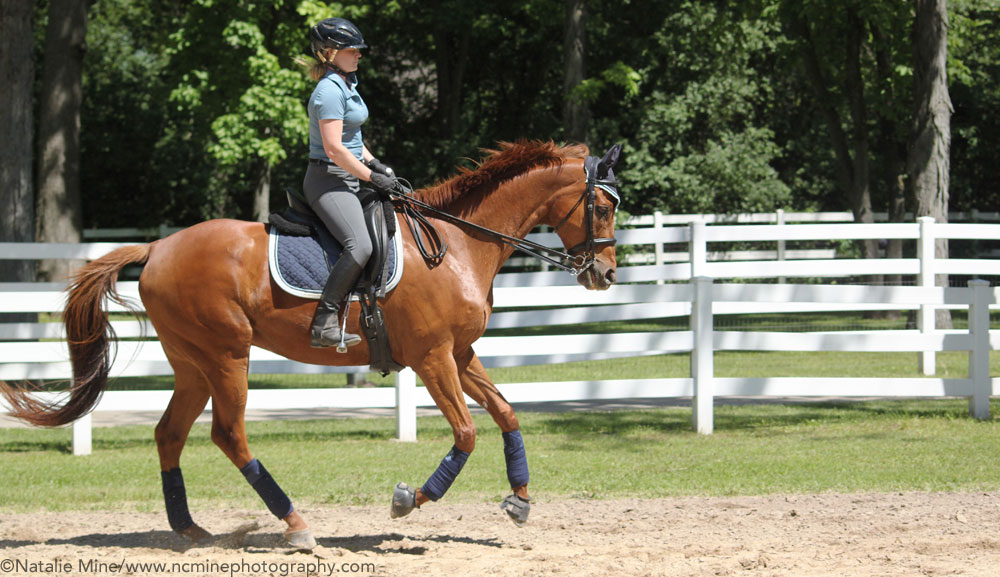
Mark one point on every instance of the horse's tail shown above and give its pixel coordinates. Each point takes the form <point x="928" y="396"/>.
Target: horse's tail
<point x="91" y="341"/>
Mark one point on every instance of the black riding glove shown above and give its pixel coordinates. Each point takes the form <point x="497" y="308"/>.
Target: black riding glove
<point x="382" y="183"/>
<point x="378" y="166"/>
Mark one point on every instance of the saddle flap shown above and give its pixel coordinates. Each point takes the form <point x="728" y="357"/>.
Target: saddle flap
<point x="375" y="223"/>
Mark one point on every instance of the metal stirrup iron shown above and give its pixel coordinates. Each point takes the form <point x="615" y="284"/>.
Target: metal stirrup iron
<point x="342" y="346"/>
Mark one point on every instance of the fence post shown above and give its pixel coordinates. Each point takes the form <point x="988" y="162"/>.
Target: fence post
<point x="698" y="248"/>
<point x="83" y="435"/>
<point x="406" y="406"/>
<point x="925" y="316"/>
<point x="781" y="243"/>
<point x="658" y="247"/>
<point x="702" y="359"/>
<point x="979" y="354"/>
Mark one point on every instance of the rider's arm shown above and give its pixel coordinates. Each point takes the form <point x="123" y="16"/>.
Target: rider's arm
<point x="331" y="131"/>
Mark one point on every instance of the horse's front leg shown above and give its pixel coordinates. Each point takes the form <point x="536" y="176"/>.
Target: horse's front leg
<point x="440" y="376"/>
<point x="477" y="384"/>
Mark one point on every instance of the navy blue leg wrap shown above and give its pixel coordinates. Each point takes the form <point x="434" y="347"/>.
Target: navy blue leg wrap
<point x="176" y="499"/>
<point x="517" y="461"/>
<point x="441" y="480"/>
<point x="277" y="502"/>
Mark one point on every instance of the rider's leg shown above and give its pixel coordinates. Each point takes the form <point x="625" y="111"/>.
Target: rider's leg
<point x="340" y="210"/>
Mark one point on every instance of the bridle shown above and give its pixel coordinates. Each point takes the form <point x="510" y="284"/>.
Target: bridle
<point x="584" y="254"/>
<point x="575" y="261"/>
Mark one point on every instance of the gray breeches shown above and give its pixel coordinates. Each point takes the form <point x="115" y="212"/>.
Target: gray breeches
<point x="332" y="194"/>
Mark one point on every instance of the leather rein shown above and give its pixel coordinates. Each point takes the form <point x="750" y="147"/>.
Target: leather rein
<point x="575" y="261"/>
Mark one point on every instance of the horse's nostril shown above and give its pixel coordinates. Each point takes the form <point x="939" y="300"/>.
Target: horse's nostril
<point x="610" y="276"/>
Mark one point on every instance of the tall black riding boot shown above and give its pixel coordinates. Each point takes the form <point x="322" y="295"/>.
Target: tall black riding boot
<point x="326" y="324"/>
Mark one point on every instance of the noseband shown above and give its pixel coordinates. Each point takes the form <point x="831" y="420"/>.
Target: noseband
<point x="575" y="261"/>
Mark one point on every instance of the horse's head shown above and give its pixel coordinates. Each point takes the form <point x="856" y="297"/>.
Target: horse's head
<point x="588" y="227"/>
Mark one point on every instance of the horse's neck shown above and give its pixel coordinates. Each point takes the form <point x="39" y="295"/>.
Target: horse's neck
<point x="519" y="205"/>
<point x="513" y="209"/>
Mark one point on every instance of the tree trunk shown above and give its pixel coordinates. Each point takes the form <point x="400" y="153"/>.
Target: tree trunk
<point x="17" y="75"/>
<point x="891" y="148"/>
<point x="831" y="117"/>
<point x="59" y="208"/>
<point x="930" y="140"/>
<point x="262" y="192"/>
<point x="851" y="152"/>
<point x="860" y="191"/>
<point x="451" y="59"/>
<point x="576" y="113"/>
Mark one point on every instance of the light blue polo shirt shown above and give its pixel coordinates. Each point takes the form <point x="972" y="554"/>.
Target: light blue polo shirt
<point x="336" y="99"/>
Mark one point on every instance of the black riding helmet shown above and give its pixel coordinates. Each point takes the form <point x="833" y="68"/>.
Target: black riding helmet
<point x="336" y="33"/>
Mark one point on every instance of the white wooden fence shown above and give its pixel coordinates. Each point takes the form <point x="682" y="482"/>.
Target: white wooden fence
<point x="699" y="298"/>
<point x="657" y="220"/>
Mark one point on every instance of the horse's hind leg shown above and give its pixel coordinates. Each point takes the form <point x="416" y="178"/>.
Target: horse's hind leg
<point x="188" y="401"/>
<point x="229" y="397"/>
<point x="477" y="384"/>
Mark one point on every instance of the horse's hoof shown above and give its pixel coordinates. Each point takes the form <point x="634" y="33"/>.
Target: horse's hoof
<point x="302" y="539"/>
<point x="404" y="500"/>
<point x="517" y="509"/>
<point x="196" y="534"/>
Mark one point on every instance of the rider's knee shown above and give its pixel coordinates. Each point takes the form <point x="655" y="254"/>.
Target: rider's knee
<point x="360" y="250"/>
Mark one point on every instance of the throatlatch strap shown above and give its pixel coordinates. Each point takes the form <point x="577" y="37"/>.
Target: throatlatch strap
<point x="277" y="502"/>
<point x="176" y="499"/>
<point x="444" y="476"/>
<point x="517" y="461"/>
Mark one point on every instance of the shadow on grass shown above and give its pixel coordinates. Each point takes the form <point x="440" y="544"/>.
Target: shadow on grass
<point x="19" y="446"/>
<point x="141" y="436"/>
<point x="759" y="416"/>
<point x="578" y="420"/>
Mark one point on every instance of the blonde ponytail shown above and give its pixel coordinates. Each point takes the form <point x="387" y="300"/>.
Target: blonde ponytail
<point x="317" y="71"/>
<point x="317" y="68"/>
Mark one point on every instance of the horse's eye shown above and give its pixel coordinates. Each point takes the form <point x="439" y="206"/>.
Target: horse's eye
<point x="603" y="212"/>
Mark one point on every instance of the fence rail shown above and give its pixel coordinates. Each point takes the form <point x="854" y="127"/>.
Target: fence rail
<point x="656" y="219"/>
<point x="692" y="294"/>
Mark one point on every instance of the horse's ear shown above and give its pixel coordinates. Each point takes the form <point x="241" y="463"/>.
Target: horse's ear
<point x="609" y="160"/>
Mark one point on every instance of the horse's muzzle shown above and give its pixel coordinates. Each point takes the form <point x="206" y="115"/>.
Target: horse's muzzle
<point x="598" y="276"/>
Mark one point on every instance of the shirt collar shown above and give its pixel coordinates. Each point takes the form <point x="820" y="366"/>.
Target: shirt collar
<point x="350" y="84"/>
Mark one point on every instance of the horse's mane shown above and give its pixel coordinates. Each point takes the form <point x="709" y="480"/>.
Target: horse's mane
<point x="510" y="161"/>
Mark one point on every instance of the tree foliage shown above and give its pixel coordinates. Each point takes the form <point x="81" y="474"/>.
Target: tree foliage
<point x="187" y="103"/>
<point x="702" y="140"/>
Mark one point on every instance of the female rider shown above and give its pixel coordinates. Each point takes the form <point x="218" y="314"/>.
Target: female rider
<point x="338" y="159"/>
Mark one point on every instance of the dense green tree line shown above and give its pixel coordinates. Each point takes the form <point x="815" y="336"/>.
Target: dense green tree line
<point x="194" y="109"/>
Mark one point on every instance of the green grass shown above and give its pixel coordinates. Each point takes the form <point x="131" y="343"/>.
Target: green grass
<point x="925" y="445"/>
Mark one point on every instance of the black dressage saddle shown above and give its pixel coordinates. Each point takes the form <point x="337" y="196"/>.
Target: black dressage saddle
<point x="306" y="251"/>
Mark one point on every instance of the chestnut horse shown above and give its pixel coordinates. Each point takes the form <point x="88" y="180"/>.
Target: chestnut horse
<point x="208" y="292"/>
